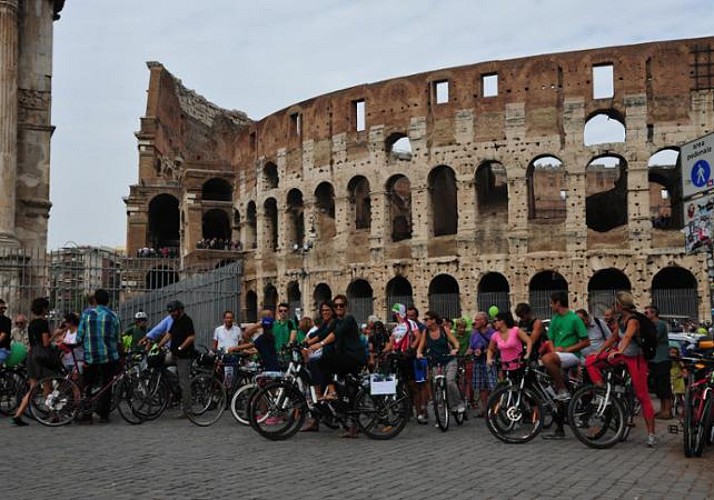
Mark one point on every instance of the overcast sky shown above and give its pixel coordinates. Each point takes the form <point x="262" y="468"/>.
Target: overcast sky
<point x="261" y="56"/>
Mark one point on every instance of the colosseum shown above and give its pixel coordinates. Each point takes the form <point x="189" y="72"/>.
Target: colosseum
<point x="454" y="189"/>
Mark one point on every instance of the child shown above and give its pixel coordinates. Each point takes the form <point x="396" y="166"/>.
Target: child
<point x="677" y="373"/>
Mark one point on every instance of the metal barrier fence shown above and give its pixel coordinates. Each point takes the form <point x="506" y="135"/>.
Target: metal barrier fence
<point x="679" y="302"/>
<point x="68" y="275"/>
<point x="502" y="300"/>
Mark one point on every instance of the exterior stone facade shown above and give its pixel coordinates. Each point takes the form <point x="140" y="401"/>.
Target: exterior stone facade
<point x="451" y="189"/>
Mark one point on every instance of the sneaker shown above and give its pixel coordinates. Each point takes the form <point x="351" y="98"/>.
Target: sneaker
<point x="563" y="395"/>
<point x="422" y="419"/>
<point x="555" y="435"/>
<point x="651" y="441"/>
<point x="19" y="422"/>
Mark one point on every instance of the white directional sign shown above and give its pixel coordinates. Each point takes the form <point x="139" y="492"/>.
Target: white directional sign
<point x="697" y="158"/>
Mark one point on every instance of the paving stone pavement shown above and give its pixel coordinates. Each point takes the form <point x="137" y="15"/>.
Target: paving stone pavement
<point x="172" y="458"/>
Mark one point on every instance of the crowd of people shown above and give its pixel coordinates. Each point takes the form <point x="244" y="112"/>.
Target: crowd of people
<point x="334" y="344"/>
<point x="219" y="244"/>
<point x="163" y="252"/>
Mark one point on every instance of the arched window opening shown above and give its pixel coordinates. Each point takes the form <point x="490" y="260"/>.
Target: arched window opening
<point x="444" y="296"/>
<point x="360" y="295"/>
<point x="664" y="177"/>
<point x="251" y="306"/>
<point x="295" y="300"/>
<point x="251" y="237"/>
<point x="540" y="288"/>
<point x="271" y="224"/>
<point x="603" y="287"/>
<point x="399" y="147"/>
<point x="325" y="204"/>
<point x="360" y="202"/>
<point x="217" y="189"/>
<point x="216" y="228"/>
<point x="270" y="298"/>
<point x="442" y="195"/>
<point x="270" y="175"/>
<point x="494" y="290"/>
<point x="321" y="293"/>
<point x="160" y="277"/>
<point x="606" y="193"/>
<point x="491" y="187"/>
<point x="399" y="200"/>
<point x="547" y="191"/>
<point x="604" y="128"/>
<point x="164" y="222"/>
<point x="296" y="219"/>
<point x="674" y="292"/>
<point x="398" y="290"/>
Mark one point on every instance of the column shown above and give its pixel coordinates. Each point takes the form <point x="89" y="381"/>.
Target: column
<point x="8" y="118"/>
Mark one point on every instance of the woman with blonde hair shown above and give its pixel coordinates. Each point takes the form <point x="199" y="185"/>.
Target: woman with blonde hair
<point x="622" y="347"/>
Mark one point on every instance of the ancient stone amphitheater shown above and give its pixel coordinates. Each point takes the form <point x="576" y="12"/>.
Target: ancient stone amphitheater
<point x="453" y="189"/>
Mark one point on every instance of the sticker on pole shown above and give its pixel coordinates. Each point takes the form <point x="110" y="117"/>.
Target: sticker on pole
<point x="698" y="223"/>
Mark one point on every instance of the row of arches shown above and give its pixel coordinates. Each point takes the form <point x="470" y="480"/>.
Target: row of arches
<point x="673" y="290"/>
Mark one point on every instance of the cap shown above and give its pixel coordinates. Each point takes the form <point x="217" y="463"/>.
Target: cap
<point x="399" y="309"/>
<point x="140" y="315"/>
<point x="174" y="305"/>
<point x="266" y="322"/>
<point x="373" y="318"/>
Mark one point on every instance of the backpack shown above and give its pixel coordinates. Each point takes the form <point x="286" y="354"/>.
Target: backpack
<point x="646" y="338"/>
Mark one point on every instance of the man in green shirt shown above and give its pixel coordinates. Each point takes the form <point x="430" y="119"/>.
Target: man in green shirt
<point x="135" y="332"/>
<point x="283" y="327"/>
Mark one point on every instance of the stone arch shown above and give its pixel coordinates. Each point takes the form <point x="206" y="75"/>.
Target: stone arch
<point x="251" y="306"/>
<point x="398" y="290"/>
<point x="295" y="299"/>
<point x="270" y="297"/>
<point x="325" y="205"/>
<point x="545" y="181"/>
<point x="216" y="224"/>
<point x="674" y="292"/>
<point x="361" y="298"/>
<point x="665" y="185"/>
<point x="217" y="189"/>
<point x="398" y="146"/>
<point x="540" y="287"/>
<point x="251" y="219"/>
<point x="399" y="202"/>
<point x="321" y="293"/>
<point x="444" y="296"/>
<point x="604" y="127"/>
<point x="296" y="218"/>
<point x="606" y="193"/>
<point x="161" y="276"/>
<point x="270" y="175"/>
<point x="270" y="217"/>
<point x="603" y="286"/>
<point x="441" y="184"/>
<point x="491" y="188"/>
<point x="493" y="290"/>
<point x="360" y="202"/>
<point x="164" y="222"/>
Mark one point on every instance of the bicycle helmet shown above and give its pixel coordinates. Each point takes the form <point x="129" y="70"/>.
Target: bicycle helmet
<point x="174" y="305"/>
<point x="140" y="315"/>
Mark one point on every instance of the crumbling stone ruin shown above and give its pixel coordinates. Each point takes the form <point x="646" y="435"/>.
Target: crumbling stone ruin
<point x="458" y="188"/>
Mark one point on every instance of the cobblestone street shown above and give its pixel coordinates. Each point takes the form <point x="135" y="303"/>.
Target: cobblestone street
<point x="171" y="458"/>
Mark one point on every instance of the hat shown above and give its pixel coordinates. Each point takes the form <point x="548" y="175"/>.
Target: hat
<point x="373" y="318"/>
<point x="266" y="322"/>
<point x="140" y="315"/>
<point x="399" y="309"/>
<point x="174" y="305"/>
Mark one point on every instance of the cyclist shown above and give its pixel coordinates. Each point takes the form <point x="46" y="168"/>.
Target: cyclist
<point x="314" y="354"/>
<point x="442" y="346"/>
<point x="629" y="353"/>
<point x="509" y="340"/>
<point x="67" y="337"/>
<point x="262" y="341"/>
<point x="532" y="326"/>
<point x="133" y="335"/>
<point x="181" y="335"/>
<point x="283" y="328"/>
<point x="226" y="337"/>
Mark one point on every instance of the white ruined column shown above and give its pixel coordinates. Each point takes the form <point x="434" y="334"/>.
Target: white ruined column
<point x="8" y="118"/>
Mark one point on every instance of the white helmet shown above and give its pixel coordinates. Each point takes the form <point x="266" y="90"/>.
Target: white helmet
<point x="140" y="315"/>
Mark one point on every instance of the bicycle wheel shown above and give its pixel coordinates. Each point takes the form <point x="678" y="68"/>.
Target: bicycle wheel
<point x="514" y="415"/>
<point x="124" y="398"/>
<point x="701" y="428"/>
<point x="208" y="400"/>
<point x="597" y="419"/>
<point x="688" y="423"/>
<point x="277" y="411"/>
<point x="440" y="403"/>
<point x="10" y="385"/>
<point x="240" y="401"/>
<point x="55" y="401"/>
<point x="382" y="417"/>
<point x="150" y="395"/>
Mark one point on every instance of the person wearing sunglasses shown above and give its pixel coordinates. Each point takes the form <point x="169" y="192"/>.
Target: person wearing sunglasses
<point x="283" y="327"/>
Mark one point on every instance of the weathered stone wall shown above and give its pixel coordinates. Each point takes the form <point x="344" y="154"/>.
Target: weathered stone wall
<point x="541" y="108"/>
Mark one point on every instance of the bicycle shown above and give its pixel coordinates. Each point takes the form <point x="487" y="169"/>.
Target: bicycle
<point x="13" y="384"/>
<point x="461" y="382"/>
<point x="440" y="396"/>
<point x="697" y="421"/>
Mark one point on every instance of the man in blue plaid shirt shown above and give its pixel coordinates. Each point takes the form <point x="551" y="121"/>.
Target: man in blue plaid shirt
<point x="99" y="333"/>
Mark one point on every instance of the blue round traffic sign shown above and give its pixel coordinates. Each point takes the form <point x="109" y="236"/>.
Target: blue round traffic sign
<point x="700" y="174"/>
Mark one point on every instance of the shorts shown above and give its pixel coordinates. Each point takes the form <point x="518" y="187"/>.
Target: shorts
<point x="484" y="377"/>
<point x="568" y="359"/>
